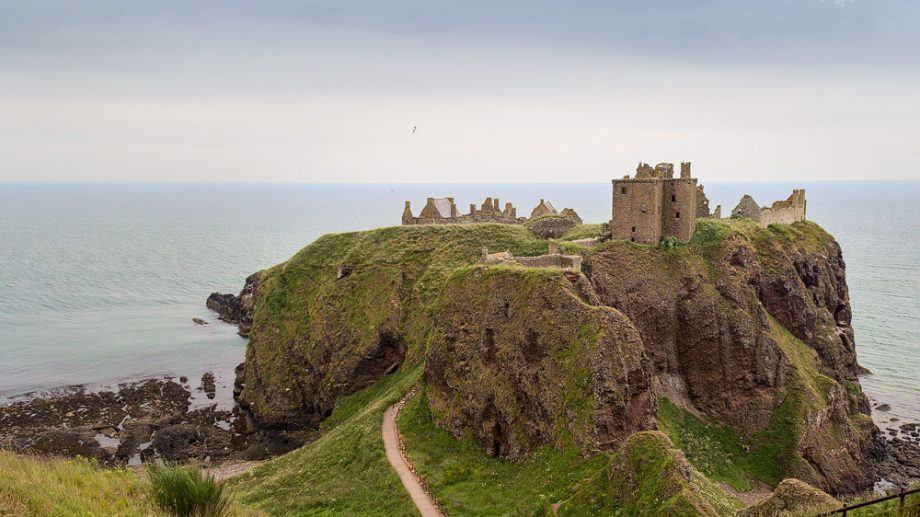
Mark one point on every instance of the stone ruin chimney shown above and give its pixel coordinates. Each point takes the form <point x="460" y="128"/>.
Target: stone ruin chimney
<point x="685" y="170"/>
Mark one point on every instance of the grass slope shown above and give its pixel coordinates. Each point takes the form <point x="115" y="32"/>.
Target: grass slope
<point x="467" y="481"/>
<point x="344" y="472"/>
<point x="45" y="486"/>
<point x="35" y="486"/>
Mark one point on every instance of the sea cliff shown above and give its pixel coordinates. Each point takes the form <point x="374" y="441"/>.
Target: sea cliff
<point x="743" y="334"/>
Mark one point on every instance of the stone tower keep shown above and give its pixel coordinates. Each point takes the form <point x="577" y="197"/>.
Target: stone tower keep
<point x="655" y="204"/>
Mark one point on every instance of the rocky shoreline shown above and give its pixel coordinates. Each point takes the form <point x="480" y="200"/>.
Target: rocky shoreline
<point x="135" y="423"/>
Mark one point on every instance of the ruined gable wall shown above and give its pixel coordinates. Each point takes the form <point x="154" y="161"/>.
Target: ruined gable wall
<point x="637" y="210"/>
<point x="679" y="208"/>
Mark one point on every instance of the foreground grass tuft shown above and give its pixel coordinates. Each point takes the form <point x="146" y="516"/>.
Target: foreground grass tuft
<point x="186" y="491"/>
<point x="38" y="486"/>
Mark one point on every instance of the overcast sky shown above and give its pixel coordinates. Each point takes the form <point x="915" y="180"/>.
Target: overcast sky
<point x="498" y="91"/>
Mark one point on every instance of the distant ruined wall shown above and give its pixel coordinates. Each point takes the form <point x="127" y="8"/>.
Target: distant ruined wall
<point x="788" y="211"/>
<point x="785" y="212"/>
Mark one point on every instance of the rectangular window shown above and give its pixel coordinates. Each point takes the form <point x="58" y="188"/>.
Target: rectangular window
<point x="673" y="198"/>
<point x="677" y="215"/>
<point x="634" y="228"/>
<point x="622" y="190"/>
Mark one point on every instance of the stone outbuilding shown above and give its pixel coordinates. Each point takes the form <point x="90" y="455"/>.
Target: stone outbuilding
<point x="543" y="208"/>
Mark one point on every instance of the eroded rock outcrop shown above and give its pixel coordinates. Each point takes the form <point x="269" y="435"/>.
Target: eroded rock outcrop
<point x="714" y="324"/>
<point x="522" y="359"/>
<point x="239" y="308"/>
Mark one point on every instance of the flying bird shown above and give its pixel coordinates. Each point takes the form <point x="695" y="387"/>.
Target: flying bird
<point x="413" y="129"/>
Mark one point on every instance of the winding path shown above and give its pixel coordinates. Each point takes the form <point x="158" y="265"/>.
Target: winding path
<point x="392" y="443"/>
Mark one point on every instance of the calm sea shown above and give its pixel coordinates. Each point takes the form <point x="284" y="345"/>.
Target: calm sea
<point x="99" y="282"/>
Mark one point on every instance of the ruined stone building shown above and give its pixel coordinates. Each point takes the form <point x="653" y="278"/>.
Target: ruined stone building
<point x="654" y="204"/>
<point x="543" y="208"/>
<point x="444" y="211"/>
<point x="787" y="211"/>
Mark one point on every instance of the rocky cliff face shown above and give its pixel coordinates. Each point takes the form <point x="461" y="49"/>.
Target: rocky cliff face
<point x="522" y="360"/>
<point x="747" y="327"/>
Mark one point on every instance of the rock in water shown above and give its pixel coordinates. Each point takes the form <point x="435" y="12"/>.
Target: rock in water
<point x="199" y="321"/>
<point x="237" y="309"/>
<point x="207" y="385"/>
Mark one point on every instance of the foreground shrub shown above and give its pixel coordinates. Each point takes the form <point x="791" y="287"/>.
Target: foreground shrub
<point x="188" y="492"/>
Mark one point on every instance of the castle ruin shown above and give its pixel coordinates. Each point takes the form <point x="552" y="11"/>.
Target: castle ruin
<point x="655" y="204"/>
<point x="787" y="211"/>
<point x="444" y="211"/>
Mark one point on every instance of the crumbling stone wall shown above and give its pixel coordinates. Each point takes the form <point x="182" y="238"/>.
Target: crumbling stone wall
<point x="554" y="259"/>
<point x="787" y="211"/>
<point x="444" y="211"/>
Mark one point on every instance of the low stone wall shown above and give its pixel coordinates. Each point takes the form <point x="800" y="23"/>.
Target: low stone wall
<point x="557" y="261"/>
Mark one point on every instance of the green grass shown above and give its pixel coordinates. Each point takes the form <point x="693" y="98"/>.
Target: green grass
<point x="399" y="273"/>
<point x="344" y="472"/>
<point x="717" y="451"/>
<point x="36" y="486"/>
<point x="723" y="455"/>
<point x="45" y="486"/>
<point x="187" y="491"/>
<point x="583" y="231"/>
<point x="467" y="481"/>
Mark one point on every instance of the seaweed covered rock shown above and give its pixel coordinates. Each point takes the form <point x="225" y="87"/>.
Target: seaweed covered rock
<point x="521" y="359"/>
<point x="793" y="497"/>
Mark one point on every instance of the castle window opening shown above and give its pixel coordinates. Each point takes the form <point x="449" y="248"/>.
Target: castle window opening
<point x="677" y="215"/>
<point x="634" y="228"/>
<point x="673" y="198"/>
<point x="632" y="239"/>
<point x="622" y="190"/>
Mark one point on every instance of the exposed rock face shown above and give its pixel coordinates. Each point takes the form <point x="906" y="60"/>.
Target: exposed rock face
<point x="533" y="364"/>
<point x="237" y="309"/>
<point x="715" y="347"/>
<point x="318" y="335"/>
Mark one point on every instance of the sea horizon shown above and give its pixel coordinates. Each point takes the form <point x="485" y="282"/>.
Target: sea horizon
<point x="107" y="276"/>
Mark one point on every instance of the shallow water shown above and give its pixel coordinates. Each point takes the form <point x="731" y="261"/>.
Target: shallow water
<point x="100" y="282"/>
